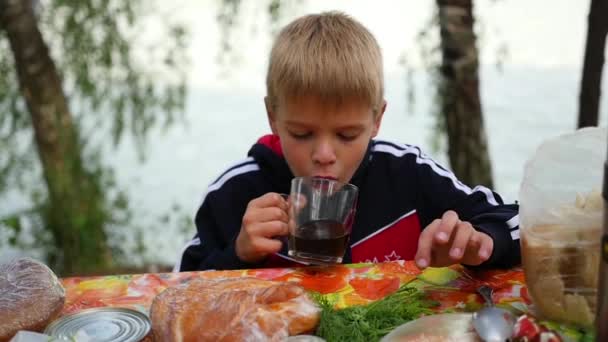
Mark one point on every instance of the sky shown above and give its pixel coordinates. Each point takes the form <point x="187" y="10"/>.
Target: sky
<point x="537" y="34"/>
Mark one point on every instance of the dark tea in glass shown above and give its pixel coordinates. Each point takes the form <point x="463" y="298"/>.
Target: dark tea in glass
<point x="321" y="218"/>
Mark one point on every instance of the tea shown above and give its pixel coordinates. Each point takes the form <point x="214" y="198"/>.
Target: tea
<point x="319" y="240"/>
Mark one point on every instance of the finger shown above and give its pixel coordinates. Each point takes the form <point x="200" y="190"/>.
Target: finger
<point x="425" y="243"/>
<point x="271" y="199"/>
<point x="486" y="246"/>
<point x="449" y="220"/>
<point x="460" y="240"/>
<point x="268" y="214"/>
<point x="471" y="254"/>
<point x="268" y="229"/>
<point x="285" y="197"/>
<point x="283" y="200"/>
<point x="265" y="246"/>
<point x="474" y="242"/>
<point x="298" y="201"/>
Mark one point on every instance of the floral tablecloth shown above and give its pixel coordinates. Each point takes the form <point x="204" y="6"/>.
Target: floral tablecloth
<point x="453" y="287"/>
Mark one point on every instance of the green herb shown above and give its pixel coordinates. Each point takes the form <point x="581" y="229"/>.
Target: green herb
<point x="372" y="321"/>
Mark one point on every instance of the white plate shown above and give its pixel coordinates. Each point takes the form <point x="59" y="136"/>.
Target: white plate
<point x="441" y="327"/>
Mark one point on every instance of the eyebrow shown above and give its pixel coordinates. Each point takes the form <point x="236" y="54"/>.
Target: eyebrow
<point x="305" y="125"/>
<point x="352" y="127"/>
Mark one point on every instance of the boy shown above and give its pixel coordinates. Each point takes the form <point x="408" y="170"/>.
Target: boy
<point x="324" y="105"/>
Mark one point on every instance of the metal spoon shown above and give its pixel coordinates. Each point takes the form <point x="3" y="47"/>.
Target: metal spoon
<point x="492" y="324"/>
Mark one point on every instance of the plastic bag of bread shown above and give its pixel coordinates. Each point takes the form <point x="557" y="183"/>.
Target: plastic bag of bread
<point x="560" y="219"/>
<point x="30" y="297"/>
<point x="242" y="309"/>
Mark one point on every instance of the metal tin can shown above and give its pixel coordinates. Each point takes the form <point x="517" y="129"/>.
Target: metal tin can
<point x="103" y="325"/>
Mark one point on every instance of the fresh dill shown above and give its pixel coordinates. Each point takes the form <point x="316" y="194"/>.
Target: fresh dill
<point x="372" y="321"/>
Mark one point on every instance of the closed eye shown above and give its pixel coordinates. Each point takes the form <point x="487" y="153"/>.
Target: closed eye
<point x="300" y="136"/>
<point x="347" y="137"/>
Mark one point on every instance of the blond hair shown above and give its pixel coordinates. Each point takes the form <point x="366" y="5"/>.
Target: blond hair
<point x="329" y="55"/>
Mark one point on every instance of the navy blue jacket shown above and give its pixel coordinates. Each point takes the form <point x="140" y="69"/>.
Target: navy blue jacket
<point x="401" y="191"/>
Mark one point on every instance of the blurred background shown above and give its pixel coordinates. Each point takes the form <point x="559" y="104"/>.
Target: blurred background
<point x="116" y="115"/>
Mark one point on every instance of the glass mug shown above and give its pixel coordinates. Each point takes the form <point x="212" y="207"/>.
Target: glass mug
<point x="321" y="216"/>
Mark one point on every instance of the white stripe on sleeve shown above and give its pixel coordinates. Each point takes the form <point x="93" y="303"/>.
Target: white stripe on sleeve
<point x="423" y="159"/>
<point x="228" y="175"/>
<point x="248" y="165"/>
<point x="240" y="163"/>
<point x="513" y="222"/>
<point x="193" y="242"/>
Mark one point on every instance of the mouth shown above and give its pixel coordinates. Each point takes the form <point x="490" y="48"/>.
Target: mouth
<point x="327" y="177"/>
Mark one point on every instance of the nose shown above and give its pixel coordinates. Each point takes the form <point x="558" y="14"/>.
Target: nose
<point x="324" y="153"/>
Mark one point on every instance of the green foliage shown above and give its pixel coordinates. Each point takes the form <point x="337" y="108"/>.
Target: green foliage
<point x="107" y="65"/>
<point x="430" y="54"/>
<point x="227" y="19"/>
<point x="15" y="138"/>
<point x="118" y="84"/>
<point x="140" y="243"/>
<point x="372" y="321"/>
<point x="13" y="223"/>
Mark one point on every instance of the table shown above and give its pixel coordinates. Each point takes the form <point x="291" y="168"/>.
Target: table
<point x="351" y="284"/>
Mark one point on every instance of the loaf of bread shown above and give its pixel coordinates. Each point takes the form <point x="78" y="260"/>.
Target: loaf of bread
<point x="30" y="297"/>
<point x="243" y="309"/>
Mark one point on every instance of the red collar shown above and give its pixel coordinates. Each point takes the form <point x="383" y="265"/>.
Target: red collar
<point x="273" y="142"/>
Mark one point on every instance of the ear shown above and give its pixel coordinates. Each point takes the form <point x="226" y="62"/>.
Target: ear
<point x="378" y="119"/>
<point x="271" y="115"/>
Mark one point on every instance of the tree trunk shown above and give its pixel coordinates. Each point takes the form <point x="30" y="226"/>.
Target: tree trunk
<point x="459" y="90"/>
<point x="74" y="211"/>
<point x="591" y="83"/>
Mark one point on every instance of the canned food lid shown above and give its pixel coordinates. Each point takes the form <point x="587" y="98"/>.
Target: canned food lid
<point x="102" y="324"/>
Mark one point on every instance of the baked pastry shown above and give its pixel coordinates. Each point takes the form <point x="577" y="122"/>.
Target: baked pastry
<point x="30" y="297"/>
<point x="242" y="309"/>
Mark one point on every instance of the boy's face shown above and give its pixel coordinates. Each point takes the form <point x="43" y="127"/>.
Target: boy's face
<point x="324" y="140"/>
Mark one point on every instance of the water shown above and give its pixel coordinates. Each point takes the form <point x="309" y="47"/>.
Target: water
<point x="522" y="107"/>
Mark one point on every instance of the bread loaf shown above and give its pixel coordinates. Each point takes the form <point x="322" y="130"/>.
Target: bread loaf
<point x="244" y="309"/>
<point x="30" y="297"/>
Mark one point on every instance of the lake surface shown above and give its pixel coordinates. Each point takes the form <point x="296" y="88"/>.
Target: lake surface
<point x="522" y="107"/>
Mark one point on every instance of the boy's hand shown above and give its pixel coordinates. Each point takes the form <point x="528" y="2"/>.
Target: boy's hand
<point x="266" y="217"/>
<point x="448" y="241"/>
